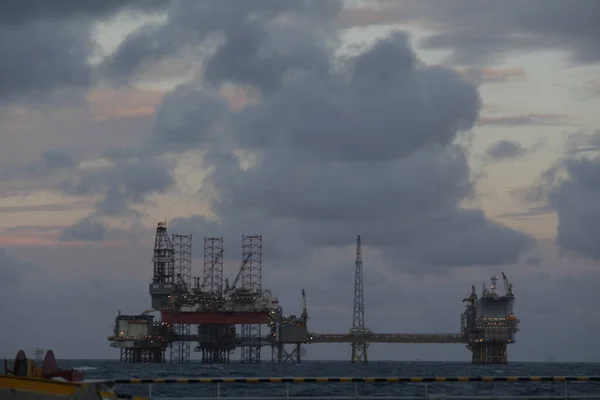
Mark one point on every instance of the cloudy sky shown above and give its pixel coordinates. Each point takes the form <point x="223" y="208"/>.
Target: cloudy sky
<point x="459" y="138"/>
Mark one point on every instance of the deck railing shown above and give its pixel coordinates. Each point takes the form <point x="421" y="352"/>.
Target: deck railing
<point x="367" y="388"/>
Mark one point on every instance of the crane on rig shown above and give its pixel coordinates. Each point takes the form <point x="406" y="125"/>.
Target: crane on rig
<point x="507" y="285"/>
<point x="304" y="314"/>
<point x="231" y="288"/>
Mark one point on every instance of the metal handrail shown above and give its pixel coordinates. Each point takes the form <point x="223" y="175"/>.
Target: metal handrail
<point x="427" y="383"/>
<point x="392" y="379"/>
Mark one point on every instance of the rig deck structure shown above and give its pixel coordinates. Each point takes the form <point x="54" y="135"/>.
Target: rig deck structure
<point x="215" y="308"/>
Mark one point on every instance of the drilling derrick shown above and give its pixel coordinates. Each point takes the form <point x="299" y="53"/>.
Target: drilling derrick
<point x="489" y="323"/>
<point x="182" y="261"/>
<point x="216" y="340"/>
<point x="251" y="284"/>
<point x="359" y="344"/>
<point x="138" y="337"/>
<point x="162" y="287"/>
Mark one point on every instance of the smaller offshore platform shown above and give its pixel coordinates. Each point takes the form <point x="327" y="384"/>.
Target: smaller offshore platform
<point x="489" y="323"/>
<point x="208" y="310"/>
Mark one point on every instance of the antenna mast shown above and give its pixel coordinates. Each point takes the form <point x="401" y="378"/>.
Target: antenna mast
<point x="359" y="345"/>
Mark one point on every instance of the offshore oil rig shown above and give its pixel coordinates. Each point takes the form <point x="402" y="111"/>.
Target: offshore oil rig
<point x="215" y="308"/>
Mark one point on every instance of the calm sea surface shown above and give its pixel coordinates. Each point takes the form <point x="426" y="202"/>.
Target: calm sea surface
<point x="95" y="369"/>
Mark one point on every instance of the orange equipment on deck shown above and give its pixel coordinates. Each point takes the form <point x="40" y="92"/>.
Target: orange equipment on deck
<point x="24" y="367"/>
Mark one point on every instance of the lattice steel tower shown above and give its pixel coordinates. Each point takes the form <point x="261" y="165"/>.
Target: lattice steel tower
<point x="215" y="337"/>
<point x="182" y="261"/>
<point x="213" y="265"/>
<point x="359" y="345"/>
<point x="251" y="281"/>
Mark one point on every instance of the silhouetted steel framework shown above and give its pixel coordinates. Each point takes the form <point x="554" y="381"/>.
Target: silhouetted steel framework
<point x="164" y="275"/>
<point x="213" y="265"/>
<point x="212" y="348"/>
<point x="359" y="345"/>
<point x="488" y="323"/>
<point x="182" y="261"/>
<point x="142" y="355"/>
<point x="182" y="251"/>
<point x="164" y="271"/>
<point x="252" y="282"/>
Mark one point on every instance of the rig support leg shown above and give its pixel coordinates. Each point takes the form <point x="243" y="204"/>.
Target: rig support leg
<point x="359" y="353"/>
<point x="489" y="353"/>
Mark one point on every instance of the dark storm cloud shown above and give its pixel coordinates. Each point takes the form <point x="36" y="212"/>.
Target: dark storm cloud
<point x="52" y="160"/>
<point x="505" y="150"/>
<point x="364" y="147"/>
<point x="478" y="31"/>
<point x="46" y="45"/>
<point x="13" y="271"/>
<point x="253" y="48"/>
<point x="572" y="187"/>
<point x="358" y="116"/>
<point x="41" y="58"/>
<point x="280" y="238"/>
<point x="86" y="229"/>
<point x="120" y="184"/>
<point x="57" y="159"/>
<point x="22" y="11"/>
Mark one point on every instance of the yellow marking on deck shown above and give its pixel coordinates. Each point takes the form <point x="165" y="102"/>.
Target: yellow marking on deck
<point x="158" y="380"/>
<point x="583" y="378"/>
<point x="322" y="379"/>
<point x="441" y="379"/>
<point x="135" y="380"/>
<point x="416" y="379"/>
<point x="512" y="378"/>
<point x="275" y="380"/>
<point x="226" y="380"/>
<point x="298" y="379"/>
<point x="488" y="379"/>
<point x="393" y="379"/>
<point x="182" y="380"/>
<point x="345" y="379"/>
<point x="252" y="380"/>
<point x="463" y="379"/>
<point x="38" y="385"/>
<point x="369" y="379"/>
<point x="559" y="378"/>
